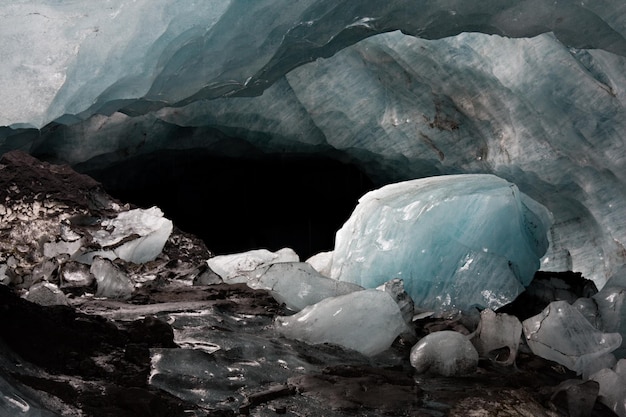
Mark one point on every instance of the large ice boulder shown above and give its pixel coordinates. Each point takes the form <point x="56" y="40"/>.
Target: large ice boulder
<point x="456" y="241"/>
<point x="367" y="321"/>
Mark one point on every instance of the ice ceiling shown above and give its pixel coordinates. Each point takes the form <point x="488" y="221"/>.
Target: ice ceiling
<point x="533" y="91"/>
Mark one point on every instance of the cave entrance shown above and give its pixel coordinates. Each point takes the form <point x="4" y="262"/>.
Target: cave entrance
<point x="239" y="203"/>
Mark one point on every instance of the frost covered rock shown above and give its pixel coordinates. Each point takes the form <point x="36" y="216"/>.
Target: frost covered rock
<point x="560" y="333"/>
<point x="446" y="353"/>
<point x="456" y="241"/>
<point x="611" y="301"/>
<point x="46" y="294"/>
<point x="613" y="387"/>
<point x="234" y="267"/>
<point x="111" y="281"/>
<point x="136" y="236"/>
<point x="496" y="331"/>
<point x="367" y="321"/>
<point x="297" y="284"/>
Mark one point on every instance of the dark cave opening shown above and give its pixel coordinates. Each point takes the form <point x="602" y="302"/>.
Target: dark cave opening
<point x="241" y="203"/>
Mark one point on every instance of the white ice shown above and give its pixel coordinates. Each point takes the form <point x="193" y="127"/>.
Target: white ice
<point x="446" y="353"/>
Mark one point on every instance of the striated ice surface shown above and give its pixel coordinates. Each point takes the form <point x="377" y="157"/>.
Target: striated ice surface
<point x="496" y="331"/>
<point x="611" y="301"/>
<point x="234" y="268"/>
<point x="613" y="387"/>
<point x="560" y="333"/>
<point x="297" y="284"/>
<point x="456" y="241"/>
<point x="367" y="321"/>
<point x="446" y="353"/>
<point x="136" y="236"/>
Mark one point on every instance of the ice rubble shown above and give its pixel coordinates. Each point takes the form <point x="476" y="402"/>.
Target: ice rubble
<point x="456" y="241"/>
<point x="367" y="321"/>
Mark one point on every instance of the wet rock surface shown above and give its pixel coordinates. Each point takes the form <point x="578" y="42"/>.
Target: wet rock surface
<point x="172" y="348"/>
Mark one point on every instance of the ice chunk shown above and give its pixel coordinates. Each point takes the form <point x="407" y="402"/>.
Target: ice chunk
<point x="613" y="387"/>
<point x="611" y="302"/>
<point x="560" y="333"/>
<point x="297" y="284"/>
<point x="580" y="396"/>
<point x="232" y="268"/>
<point x="395" y="288"/>
<point x="136" y="236"/>
<point x="446" y="353"/>
<point x="322" y="262"/>
<point x="589" y="309"/>
<point x="366" y="321"/>
<point x="112" y="283"/>
<point x="496" y="331"/>
<point x="46" y="294"/>
<point x="456" y="241"/>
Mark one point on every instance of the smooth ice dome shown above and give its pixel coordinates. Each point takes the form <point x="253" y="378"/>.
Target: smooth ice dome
<point x="446" y="353"/>
<point x="367" y="321"/>
<point x="456" y="241"/>
<point x="561" y="333"/>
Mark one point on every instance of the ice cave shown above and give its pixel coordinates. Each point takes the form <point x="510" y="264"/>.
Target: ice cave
<point x="317" y="208"/>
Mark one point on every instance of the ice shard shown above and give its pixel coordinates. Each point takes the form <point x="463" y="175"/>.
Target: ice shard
<point x="457" y="241"/>
<point x="234" y="267"/>
<point x="561" y="333"/>
<point x="366" y="321"/>
<point x="111" y="281"/>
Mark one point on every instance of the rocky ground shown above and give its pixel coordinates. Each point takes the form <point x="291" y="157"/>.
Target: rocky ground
<point x="177" y="349"/>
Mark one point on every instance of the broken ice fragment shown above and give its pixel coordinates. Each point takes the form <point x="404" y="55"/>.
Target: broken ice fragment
<point x="560" y="333"/>
<point x="322" y="262"/>
<point x="395" y="288"/>
<point x="496" y="331"/>
<point x="232" y="268"/>
<point x="367" y="321"/>
<point x="136" y="236"/>
<point x="297" y="284"/>
<point x="456" y="241"/>
<point x="613" y="387"/>
<point x="112" y="283"/>
<point x="446" y="353"/>
<point x="46" y="294"/>
<point x="611" y="302"/>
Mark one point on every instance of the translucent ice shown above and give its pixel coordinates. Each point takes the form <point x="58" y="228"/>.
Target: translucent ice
<point x="560" y="333"/>
<point x="456" y="241"/>
<point x="496" y="331"/>
<point x="446" y="353"/>
<point x="611" y="302"/>
<point x="366" y="321"/>
<point x="297" y="284"/>
<point x="135" y="236"/>
<point x="111" y="281"/>
<point x="234" y="267"/>
<point x="613" y="387"/>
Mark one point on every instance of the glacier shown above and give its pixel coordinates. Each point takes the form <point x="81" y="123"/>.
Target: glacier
<point x="404" y="89"/>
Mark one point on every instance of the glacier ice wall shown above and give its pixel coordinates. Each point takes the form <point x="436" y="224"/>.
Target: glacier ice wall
<point x="400" y="87"/>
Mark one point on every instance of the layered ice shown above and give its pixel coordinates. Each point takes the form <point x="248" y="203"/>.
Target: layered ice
<point x="297" y="284"/>
<point x="367" y="321"/>
<point x="562" y="334"/>
<point x="457" y="241"/>
<point x="446" y="353"/>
